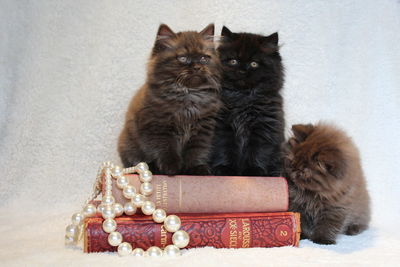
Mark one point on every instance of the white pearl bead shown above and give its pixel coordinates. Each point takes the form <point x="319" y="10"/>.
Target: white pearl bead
<point x="141" y="167"/>
<point x="138" y="200"/>
<point x="116" y="172"/>
<point x="108" y="212"/>
<point x="129" y="208"/>
<point x="69" y="240"/>
<point x="71" y="231"/>
<point x="159" y="215"/>
<point x="148" y="207"/>
<point x="114" y="238"/>
<point x="108" y="182"/>
<point x="124" y="249"/>
<point x="129" y="191"/>
<point x="180" y="239"/>
<point x="108" y="200"/>
<point x="100" y="208"/>
<point x="172" y="250"/>
<point x="118" y="209"/>
<point x="122" y="181"/>
<point x="138" y="252"/>
<point x="146" y="188"/>
<point x="172" y="223"/>
<point x="77" y="218"/>
<point x="109" y="188"/>
<point x="89" y="210"/>
<point x="145" y="176"/>
<point x="109" y="225"/>
<point x="154" y="252"/>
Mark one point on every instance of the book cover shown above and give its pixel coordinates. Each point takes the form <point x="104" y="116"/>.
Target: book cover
<point x="214" y="194"/>
<point x="236" y="230"/>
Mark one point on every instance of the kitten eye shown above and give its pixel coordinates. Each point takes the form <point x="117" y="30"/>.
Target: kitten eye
<point x="233" y="62"/>
<point x="254" y="64"/>
<point x="204" y="59"/>
<point x="183" y="59"/>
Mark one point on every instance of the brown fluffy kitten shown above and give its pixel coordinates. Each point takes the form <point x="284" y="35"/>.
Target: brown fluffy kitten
<point x="326" y="183"/>
<point x="170" y="121"/>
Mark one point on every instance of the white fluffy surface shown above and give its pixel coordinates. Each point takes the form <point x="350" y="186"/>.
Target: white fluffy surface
<point x="69" y="68"/>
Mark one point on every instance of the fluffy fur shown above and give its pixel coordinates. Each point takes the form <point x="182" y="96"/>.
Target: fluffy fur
<point x="326" y="183"/>
<point x="170" y="121"/>
<point x="250" y="127"/>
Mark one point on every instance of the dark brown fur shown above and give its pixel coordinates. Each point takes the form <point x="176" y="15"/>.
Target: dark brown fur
<point x="170" y="121"/>
<point x="326" y="183"/>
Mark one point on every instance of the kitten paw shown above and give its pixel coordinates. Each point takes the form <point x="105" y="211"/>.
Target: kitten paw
<point x="170" y="166"/>
<point x="254" y="171"/>
<point x="323" y="241"/>
<point x="355" y="229"/>
<point x="198" y="170"/>
<point x="222" y="170"/>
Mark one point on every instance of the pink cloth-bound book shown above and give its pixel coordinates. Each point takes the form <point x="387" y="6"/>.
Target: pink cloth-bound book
<point x="214" y="194"/>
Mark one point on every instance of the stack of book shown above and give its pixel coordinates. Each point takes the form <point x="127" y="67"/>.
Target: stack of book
<point x="216" y="211"/>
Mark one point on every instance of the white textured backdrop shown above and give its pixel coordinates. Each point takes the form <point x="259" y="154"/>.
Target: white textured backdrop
<point x="69" y="68"/>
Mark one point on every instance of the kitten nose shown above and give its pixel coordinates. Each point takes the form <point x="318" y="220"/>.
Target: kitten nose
<point x="242" y="71"/>
<point x="196" y="67"/>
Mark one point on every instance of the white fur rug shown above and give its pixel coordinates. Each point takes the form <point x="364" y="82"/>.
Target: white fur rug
<point x="69" y="68"/>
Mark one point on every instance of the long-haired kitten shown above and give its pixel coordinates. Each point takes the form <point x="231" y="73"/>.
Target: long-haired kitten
<point x="326" y="182"/>
<point x="250" y="127"/>
<point x="170" y="121"/>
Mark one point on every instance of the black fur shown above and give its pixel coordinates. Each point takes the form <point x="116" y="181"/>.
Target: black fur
<point x="250" y="128"/>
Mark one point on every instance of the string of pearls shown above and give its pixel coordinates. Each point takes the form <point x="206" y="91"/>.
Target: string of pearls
<point x="109" y="209"/>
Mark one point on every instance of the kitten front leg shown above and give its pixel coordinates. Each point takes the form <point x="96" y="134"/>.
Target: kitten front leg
<point x="162" y="148"/>
<point x="198" y="148"/>
<point x="328" y="225"/>
<point x="264" y="155"/>
<point x="223" y="152"/>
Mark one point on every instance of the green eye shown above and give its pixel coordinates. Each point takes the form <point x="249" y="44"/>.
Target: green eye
<point x="183" y="59"/>
<point x="254" y="64"/>
<point x="233" y="62"/>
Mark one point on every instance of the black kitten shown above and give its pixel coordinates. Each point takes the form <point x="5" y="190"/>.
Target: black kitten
<point x="250" y="128"/>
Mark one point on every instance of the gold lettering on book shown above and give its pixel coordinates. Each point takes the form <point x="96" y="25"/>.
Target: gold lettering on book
<point x="283" y="233"/>
<point x="246" y="233"/>
<point x="165" y="194"/>
<point x="158" y="195"/>
<point x="162" y="195"/>
<point x="233" y="233"/>
<point x="163" y="236"/>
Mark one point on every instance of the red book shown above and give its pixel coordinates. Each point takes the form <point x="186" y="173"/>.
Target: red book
<point x="214" y="194"/>
<point x="235" y="230"/>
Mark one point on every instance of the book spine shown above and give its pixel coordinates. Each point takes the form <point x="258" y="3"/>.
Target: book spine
<point x="243" y="230"/>
<point x="214" y="194"/>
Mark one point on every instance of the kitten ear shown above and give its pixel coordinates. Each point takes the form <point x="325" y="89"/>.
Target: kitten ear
<point x="301" y="131"/>
<point x="208" y="32"/>
<point x="226" y="33"/>
<point x="164" y="35"/>
<point x="271" y="41"/>
<point x="164" y="32"/>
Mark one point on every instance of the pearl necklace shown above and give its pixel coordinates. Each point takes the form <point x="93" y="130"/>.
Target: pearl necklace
<point x="109" y="209"/>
